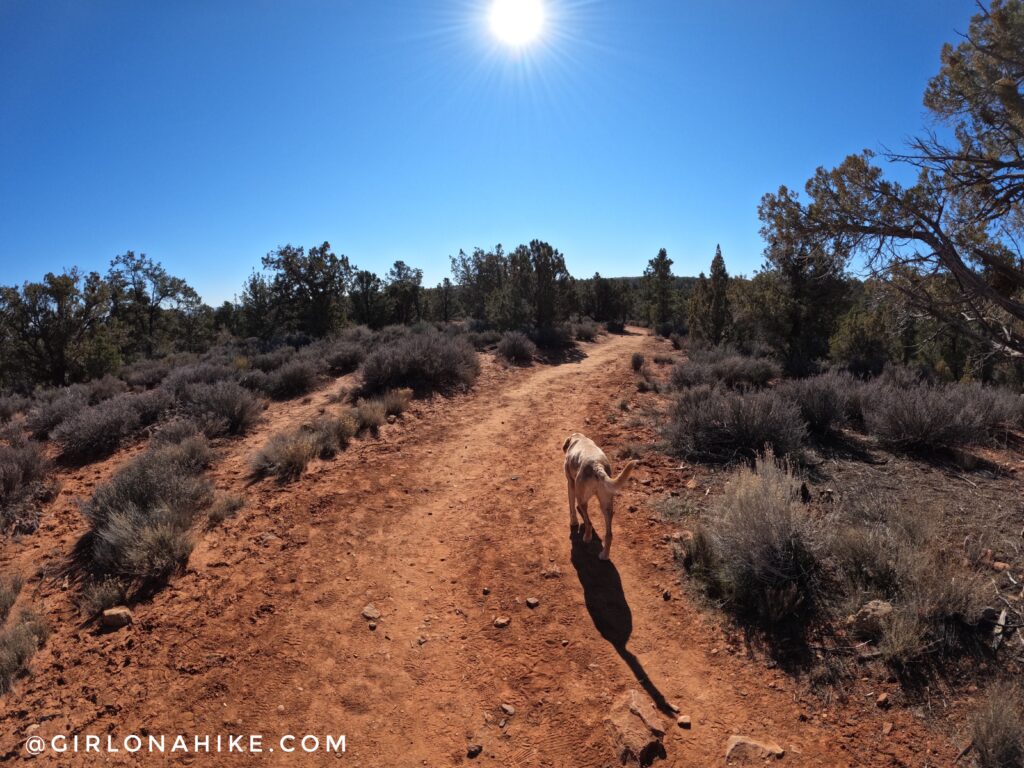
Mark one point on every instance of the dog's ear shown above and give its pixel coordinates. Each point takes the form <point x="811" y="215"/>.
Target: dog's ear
<point x="565" y="445"/>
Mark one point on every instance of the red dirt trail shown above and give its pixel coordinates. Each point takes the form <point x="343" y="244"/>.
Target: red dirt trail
<point x="264" y="634"/>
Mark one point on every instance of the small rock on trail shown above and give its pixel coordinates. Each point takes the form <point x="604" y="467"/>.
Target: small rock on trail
<point x="474" y="750"/>
<point x="117" y="617"/>
<point x="744" y="748"/>
<point x="532" y="602"/>
<point x="371" y="612"/>
<point x="501" y="622"/>
<point x="635" y="730"/>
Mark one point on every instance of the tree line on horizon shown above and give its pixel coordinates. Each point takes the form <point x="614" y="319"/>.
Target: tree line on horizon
<point x="943" y="289"/>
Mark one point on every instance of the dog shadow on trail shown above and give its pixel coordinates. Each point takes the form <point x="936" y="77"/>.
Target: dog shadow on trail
<point x="607" y="606"/>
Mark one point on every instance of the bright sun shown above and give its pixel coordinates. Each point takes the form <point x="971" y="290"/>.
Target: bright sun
<point x="517" y="22"/>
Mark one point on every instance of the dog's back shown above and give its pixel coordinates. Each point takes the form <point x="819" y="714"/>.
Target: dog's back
<point x="582" y="454"/>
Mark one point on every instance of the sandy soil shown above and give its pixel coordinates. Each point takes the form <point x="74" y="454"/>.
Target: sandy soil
<point x="453" y="517"/>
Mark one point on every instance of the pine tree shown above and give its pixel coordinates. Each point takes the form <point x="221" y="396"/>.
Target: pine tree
<point x="710" y="317"/>
<point x="658" y="285"/>
<point x="720" y="314"/>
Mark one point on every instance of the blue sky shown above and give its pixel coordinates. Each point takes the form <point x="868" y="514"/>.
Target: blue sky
<point x="206" y="132"/>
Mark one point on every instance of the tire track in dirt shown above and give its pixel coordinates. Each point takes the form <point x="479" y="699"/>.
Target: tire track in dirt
<point x="264" y="633"/>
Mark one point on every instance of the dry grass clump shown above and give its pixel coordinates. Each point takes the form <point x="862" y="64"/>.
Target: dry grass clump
<point x="370" y="414"/>
<point x="23" y="481"/>
<point x="223" y="507"/>
<point x="223" y="407"/>
<point x="10" y="588"/>
<point x="881" y="551"/>
<point x="396" y="401"/>
<point x="425" y="362"/>
<point x="100" y="594"/>
<point x="647" y="381"/>
<point x="586" y="330"/>
<point x="721" y="425"/>
<point x="141" y="519"/>
<point x="721" y="366"/>
<point x="287" y="454"/>
<point x="998" y="728"/>
<point x="517" y="348"/>
<point x="758" y="549"/>
<point x="19" y="640"/>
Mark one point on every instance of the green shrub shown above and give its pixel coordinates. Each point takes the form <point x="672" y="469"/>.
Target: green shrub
<point x="732" y="370"/>
<point x="141" y="519"/>
<point x="344" y="357"/>
<point x="104" y="389"/>
<point x="181" y="379"/>
<point x="517" y="348"/>
<point x="271" y="361"/>
<point x="823" y="400"/>
<point x="222" y="408"/>
<point x="24" y="486"/>
<point x="98" y="430"/>
<point x="175" y="431"/>
<point x="146" y="373"/>
<point x="11" y="405"/>
<point x="721" y="425"/>
<point x="424" y="362"/>
<point x="555" y="337"/>
<point x="636" y="361"/>
<point x="926" y="417"/>
<point x="294" y="378"/>
<point x="48" y="415"/>
<point x="483" y="339"/>
<point x="758" y="549"/>
<point x="615" y="326"/>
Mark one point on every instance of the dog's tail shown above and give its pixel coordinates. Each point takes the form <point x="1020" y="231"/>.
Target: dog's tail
<point x="619" y="480"/>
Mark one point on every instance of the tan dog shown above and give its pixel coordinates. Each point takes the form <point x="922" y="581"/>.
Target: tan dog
<point x="588" y="474"/>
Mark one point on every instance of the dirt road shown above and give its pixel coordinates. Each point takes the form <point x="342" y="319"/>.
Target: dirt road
<point x="454" y="517"/>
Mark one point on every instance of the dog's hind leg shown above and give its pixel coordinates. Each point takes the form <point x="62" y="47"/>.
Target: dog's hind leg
<point x="607" y="549"/>
<point x="573" y="520"/>
<point x="588" y="530"/>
